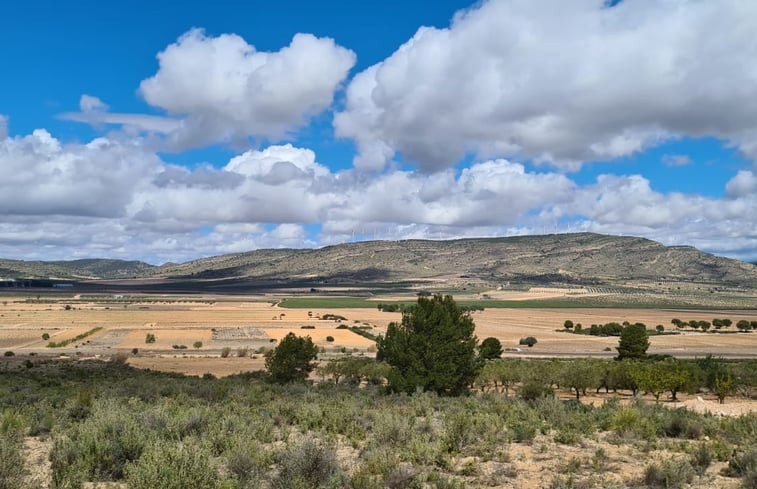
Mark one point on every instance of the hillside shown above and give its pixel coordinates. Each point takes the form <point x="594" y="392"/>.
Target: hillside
<point x="573" y="258"/>
<point x="584" y="257"/>
<point x="73" y="269"/>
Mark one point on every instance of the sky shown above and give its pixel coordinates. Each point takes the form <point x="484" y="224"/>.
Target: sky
<point x="173" y="130"/>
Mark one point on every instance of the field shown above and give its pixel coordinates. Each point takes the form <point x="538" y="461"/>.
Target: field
<point x="255" y="324"/>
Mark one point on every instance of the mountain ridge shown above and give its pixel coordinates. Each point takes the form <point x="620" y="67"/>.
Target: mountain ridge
<point x="577" y="258"/>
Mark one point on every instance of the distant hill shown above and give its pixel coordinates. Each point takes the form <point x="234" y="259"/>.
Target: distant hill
<point x="573" y="258"/>
<point x="73" y="269"/>
<point x="583" y="257"/>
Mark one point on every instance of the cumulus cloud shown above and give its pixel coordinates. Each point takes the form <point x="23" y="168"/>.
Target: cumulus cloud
<point x="560" y="83"/>
<point x="743" y="184"/>
<point x="44" y="176"/>
<point x="223" y="89"/>
<point x="113" y="198"/>
<point x="3" y="127"/>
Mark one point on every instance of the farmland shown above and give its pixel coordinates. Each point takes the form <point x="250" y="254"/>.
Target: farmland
<point x="188" y="363"/>
<point x="255" y="323"/>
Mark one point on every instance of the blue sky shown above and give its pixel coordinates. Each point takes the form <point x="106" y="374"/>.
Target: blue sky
<point x="167" y="131"/>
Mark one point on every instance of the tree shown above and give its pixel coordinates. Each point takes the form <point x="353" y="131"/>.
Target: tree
<point x="505" y="373"/>
<point x="433" y="348"/>
<point x="633" y="342"/>
<point x="579" y="375"/>
<point x="292" y="360"/>
<point x="529" y="341"/>
<point x="660" y="328"/>
<point x="568" y="324"/>
<point x="490" y="349"/>
<point x="743" y="325"/>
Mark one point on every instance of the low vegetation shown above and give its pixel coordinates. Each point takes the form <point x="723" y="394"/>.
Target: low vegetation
<point x="62" y="343"/>
<point x="164" y="430"/>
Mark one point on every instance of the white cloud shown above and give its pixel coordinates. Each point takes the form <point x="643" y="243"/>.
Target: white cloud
<point x="226" y="90"/>
<point x="95" y="112"/>
<point x="3" y="127"/>
<point x="743" y="184"/>
<point x="43" y="176"/>
<point x="676" y="160"/>
<point x="113" y="198"/>
<point x="89" y="103"/>
<point x="559" y="82"/>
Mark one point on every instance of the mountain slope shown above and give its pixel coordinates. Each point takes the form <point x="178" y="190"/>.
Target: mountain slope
<point x="73" y="269"/>
<point x="563" y="257"/>
<point x="578" y="258"/>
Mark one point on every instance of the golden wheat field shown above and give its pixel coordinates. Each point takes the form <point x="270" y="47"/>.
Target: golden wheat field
<point x="190" y="335"/>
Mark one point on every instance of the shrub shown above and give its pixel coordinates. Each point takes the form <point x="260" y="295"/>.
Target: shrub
<point x="119" y="358"/>
<point x="100" y="446"/>
<point x="306" y="464"/>
<point x="8" y="354"/>
<point x="135" y="351"/>
<point x="743" y="463"/>
<point x="173" y="466"/>
<point x="248" y="464"/>
<point x="45" y="336"/>
<point x="12" y="470"/>
<point x="671" y="474"/>
<point x="528" y="341"/>
<point x="701" y="458"/>
<point x="330" y="339"/>
<point x="532" y="390"/>
<point x="197" y="344"/>
<point x="150" y="338"/>
<point x="225" y="351"/>
<point x="243" y="351"/>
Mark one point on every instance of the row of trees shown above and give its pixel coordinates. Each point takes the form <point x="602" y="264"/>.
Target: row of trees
<point x="653" y="377"/>
<point x="716" y="323"/>
<point x="614" y="328"/>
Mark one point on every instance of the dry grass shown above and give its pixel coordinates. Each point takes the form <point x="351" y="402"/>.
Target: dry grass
<point x="183" y="323"/>
<point x="342" y="337"/>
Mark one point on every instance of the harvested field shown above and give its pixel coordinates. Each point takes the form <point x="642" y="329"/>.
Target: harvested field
<point x="199" y="365"/>
<point x="509" y="325"/>
<point x="251" y="323"/>
<point x="342" y="337"/>
<point x="166" y="338"/>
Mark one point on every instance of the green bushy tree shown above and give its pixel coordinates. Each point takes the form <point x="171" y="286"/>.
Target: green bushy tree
<point x="490" y="349"/>
<point x="433" y="348"/>
<point x="633" y="342"/>
<point x="292" y="360"/>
